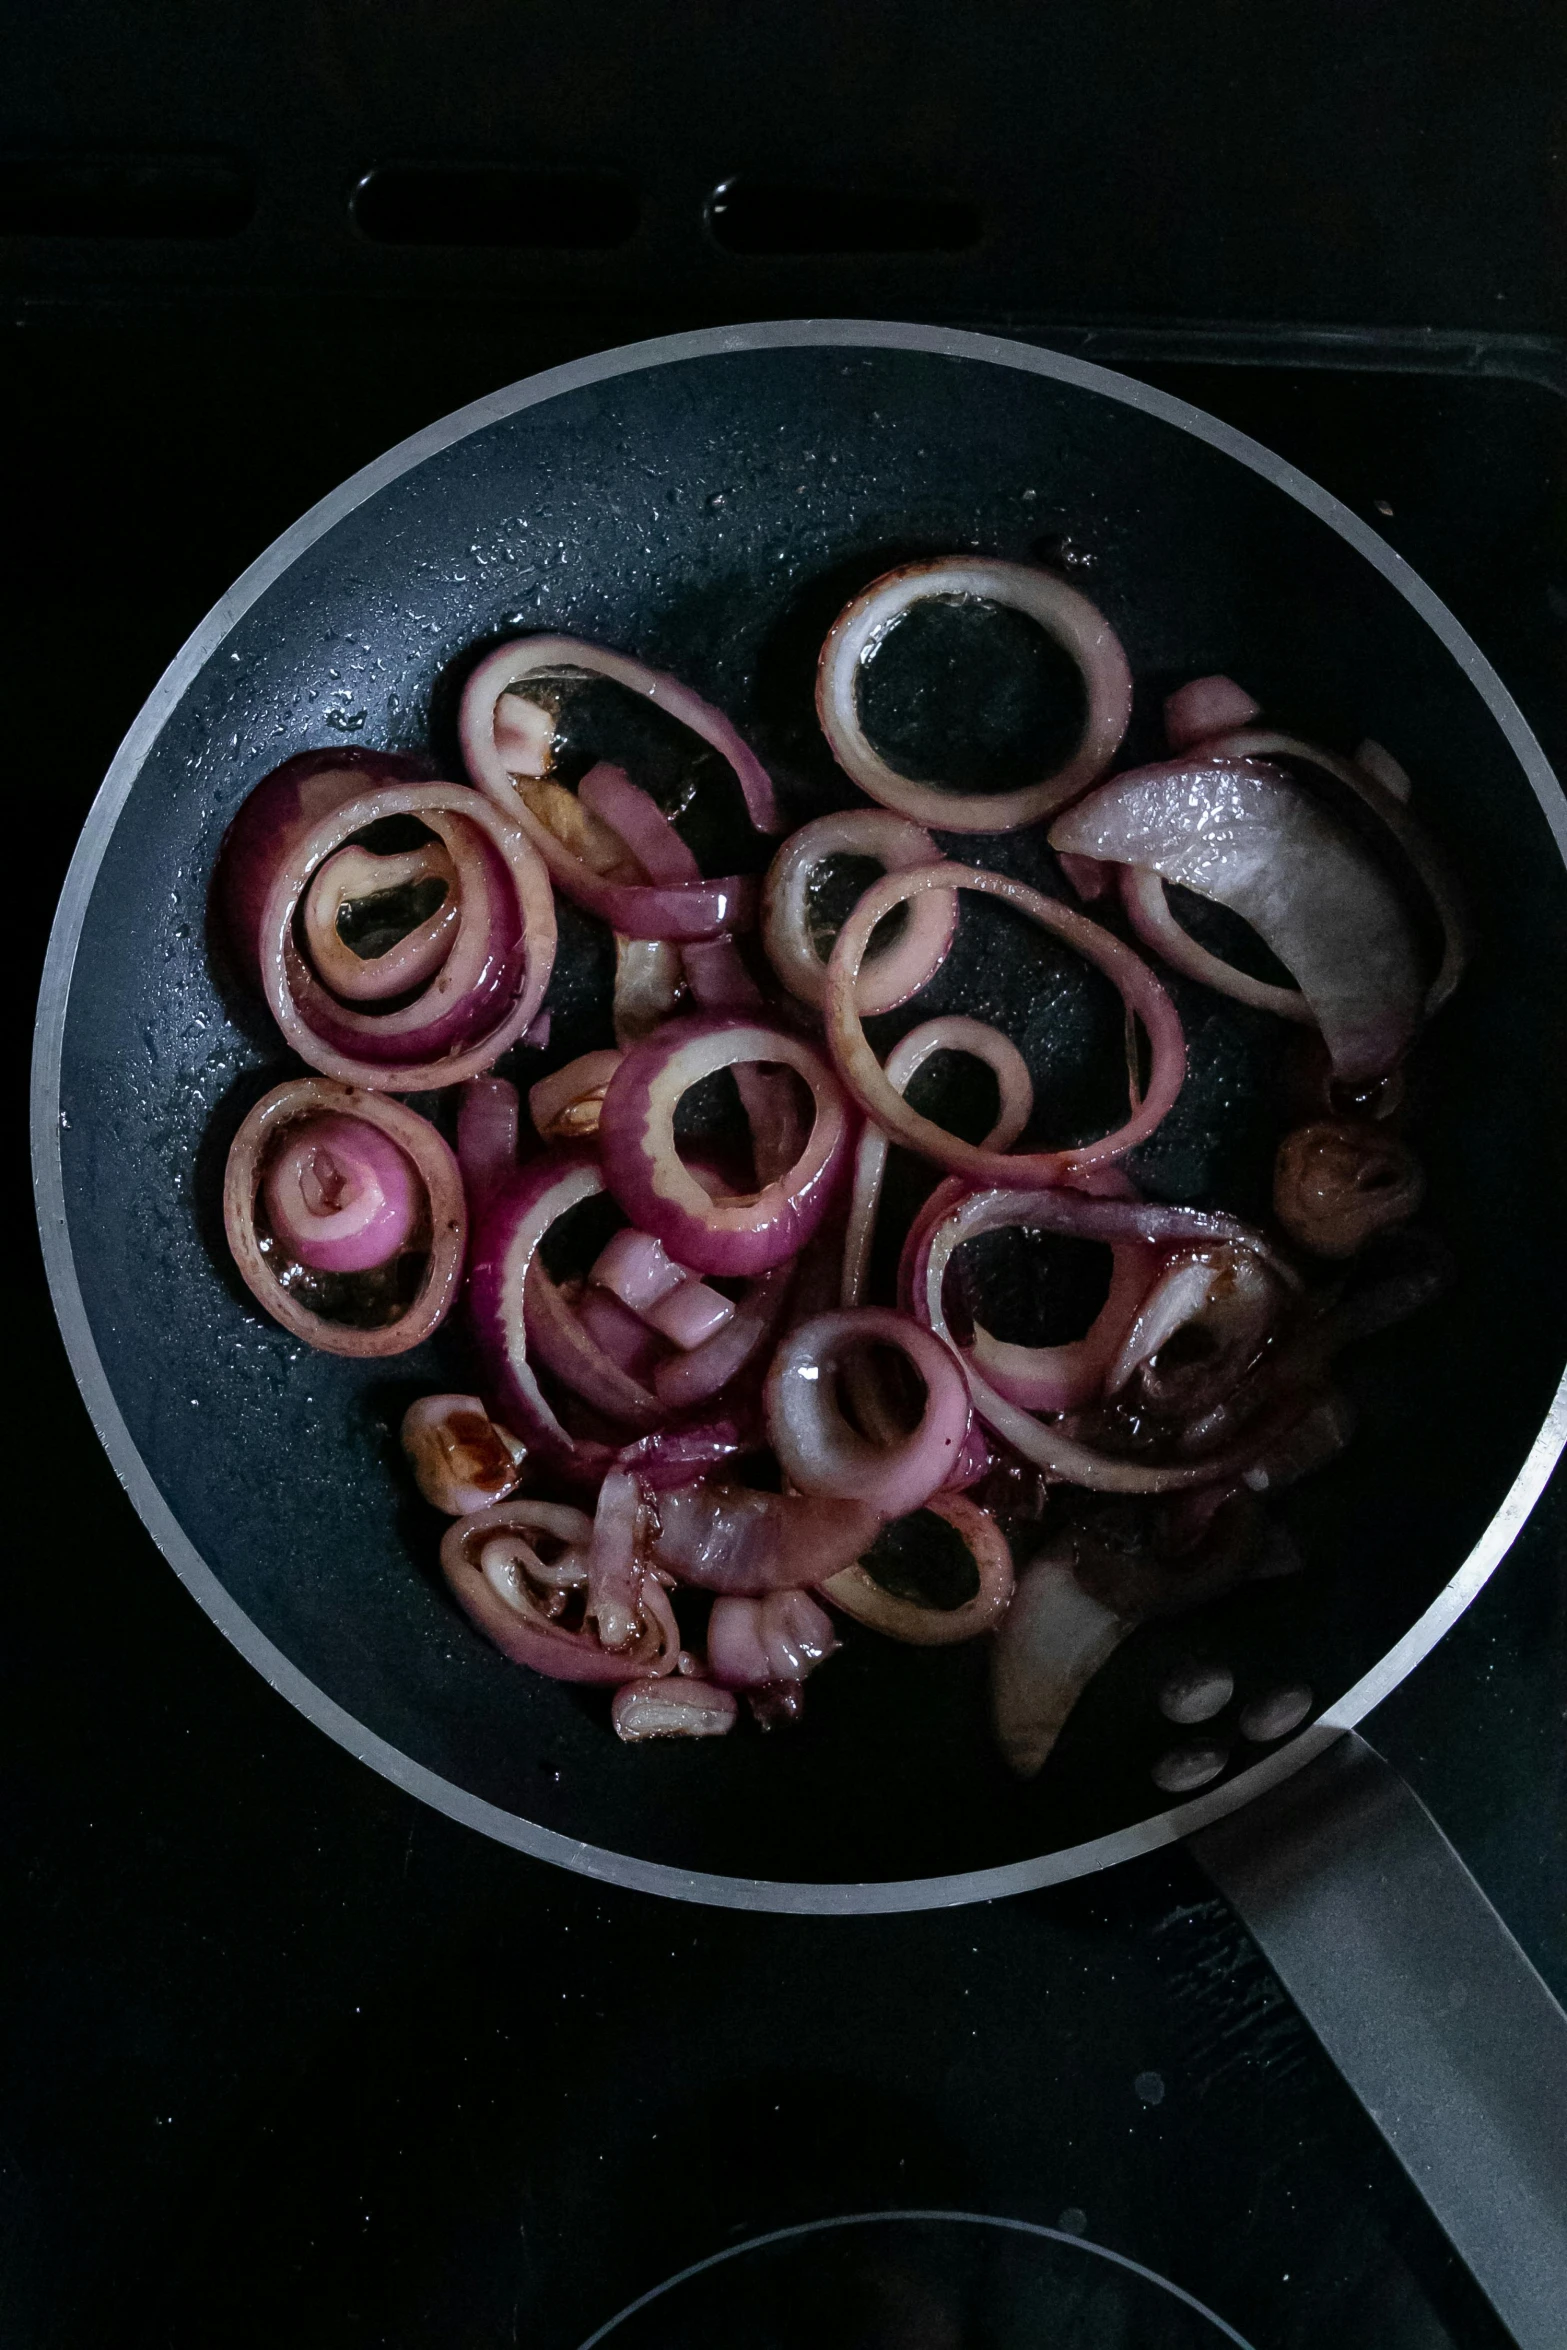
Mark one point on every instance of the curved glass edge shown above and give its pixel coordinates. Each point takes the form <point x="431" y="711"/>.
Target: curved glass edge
<point x="444" y="1795"/>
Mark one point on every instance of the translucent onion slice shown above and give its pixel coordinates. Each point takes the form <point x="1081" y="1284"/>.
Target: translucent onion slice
<point x="818" y="1449"/>
<point x="858" y="1594"/>
<point x="1139" y="990"/>
<point x="441" y="1227"/>
<point x="892" y="975"/>
<point x="1068" y="617"/>
<point x="1054" y="1639"/>
<point x="462" y="1460"/>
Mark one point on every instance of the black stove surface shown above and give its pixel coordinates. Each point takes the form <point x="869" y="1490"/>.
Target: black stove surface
<point x="295" y="2060"/>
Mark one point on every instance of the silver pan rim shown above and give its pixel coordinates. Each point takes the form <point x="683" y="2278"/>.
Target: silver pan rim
<point x="444" y="1795"/>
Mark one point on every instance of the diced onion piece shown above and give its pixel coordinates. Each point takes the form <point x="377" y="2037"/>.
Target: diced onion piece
<point x="462" y="1460"/>
<point x="1062" y="612"/>
<point x="680" y="1707"/>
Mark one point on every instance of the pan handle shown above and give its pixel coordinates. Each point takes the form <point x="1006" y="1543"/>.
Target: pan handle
<point x="1427" y="2006"/>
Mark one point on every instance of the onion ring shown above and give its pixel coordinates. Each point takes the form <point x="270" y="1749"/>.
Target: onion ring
<point x="817" y="1448"/>
<point x="900" y="970"/>
<point x="858" y="1594"/>
<point x="729" y="1233"/>
<point x="860" y="1070"/>
<point x="1066" y="616"/>
<point x="519" y="1624"/>
<point x="444" y="1222"/>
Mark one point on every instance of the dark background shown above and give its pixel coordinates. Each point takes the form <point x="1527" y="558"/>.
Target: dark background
<point x="289" y="2059"/>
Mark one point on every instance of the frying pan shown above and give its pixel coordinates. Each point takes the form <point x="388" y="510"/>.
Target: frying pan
<point x="709" y="502"/>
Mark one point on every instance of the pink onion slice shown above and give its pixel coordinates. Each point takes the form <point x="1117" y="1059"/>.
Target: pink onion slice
<point x="608" y="793"/>
<point x="442" y="1227"/>
<point x="690" y="1315"/>
<point x="673" y="1456"/>
<point x="569" y="1346"/>
<point x="751" y="1642"/>
<point x="461" y="1459"/>
<point x="1371" y="785"/>
<point x="687" y="1379"/>
<point x="485" y="993"/>
<point x="893" y="974"/>
<point x="860" y="1070"/>
<point x="680" y="1707"/>
<point x="277" y="815"/>
<point x="1245" y="835"/>
<point x="819" y="1450"/>
<point x="623" y="1335"/>
<point x="1089" y="1219"/>
<point x="1148" y="910"/>
<point x="512" y="1605"/>
<point x="637" y="1269"/>
<point x="512" y="764"/>
<point x="358" y="873"/>
<point x="729" y="1233"/>
<point x="718" y="978"/>
<point x="341" y="1197"/>
<point x="732" y="1538"/>
<point x="565" y="1105"/>
<point x="1066" y="616"/>
<point x="1204" y="707"/>
<point x="856" y="1591"/>
<point x="951" y="1033"/>
<point x="1088" y="877"/>
<point x="487" y="1126"/>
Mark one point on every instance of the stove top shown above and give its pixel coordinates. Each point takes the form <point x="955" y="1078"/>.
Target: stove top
<point x="296" y="2060"/>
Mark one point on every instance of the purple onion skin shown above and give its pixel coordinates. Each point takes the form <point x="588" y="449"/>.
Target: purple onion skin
<point x="284" y="806"/>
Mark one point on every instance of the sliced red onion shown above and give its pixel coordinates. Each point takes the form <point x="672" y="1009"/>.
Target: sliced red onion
<point x="340" y="1196"/>
<point x="649" y="987"/>
<point x="284" y="807"/>
<point x="729" y="1233"/>
<point x="820" y="1452"/>
<point x="623" y="1335"/>
<point x="718" y="979"/>
<point x="608" y="793"/>
<point x="505" y="1248"/>
<point x="751" y="1642"/>
<point x="681" y="1707"/>
<point x="636" y="1268"/>
<point x="1204" y="707"/>
<point x="487" y="1126"/>
<point x="1148" y="909"/>
<point x="513" y="1609"/>
<point x="1053" y="1639"/>
<point x="614" y="1560"/>
<point x="1089" y="1219"/>
<point x="731" y="1538"/>
<point x="1336" y="1185"/>
<point x="1062" y="1378"/>
<point x="893" y="973"/>
<point x="485" y="993"/>
<point x="856" y="1591"/>
<point x="565" y="1105"/>
<point x="570" y="1347"/>
<point x="673" y="1456"/>
<point x="1228" y="1295"/>
<point x="952" y="1033"/>
<point x="687" y="1379"/>
<point x="1065" y="616"/>
<point x="690" y="1315"/>
<point x="1139" y="990"/>
<point x="1387" y="802"/>
<point x="461" y="1459"/>
<point x="1088" y="877"/>
<point x="1246" y="835"/>
<point x="357" y="873"/>
<point x="512" y="765"/>
<point x="440" y="1229"/>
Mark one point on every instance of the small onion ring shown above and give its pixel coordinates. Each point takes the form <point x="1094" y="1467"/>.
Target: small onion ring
<point x="860" y="1070"/>
<point x="818" y="1450"/>
<point x="417" y="1139"/>
<point x="1147" y="903"/>
<point x="286" y="978"/>
<point x="858" y="1594"/>
<point x="350" y="876"/>
<point x="900" y="970"/>
<point x="1067" y="617"/>
<point x="729" y="1233"/>
<point x="524" y="1632"/>
<point x="953" y="1032"/>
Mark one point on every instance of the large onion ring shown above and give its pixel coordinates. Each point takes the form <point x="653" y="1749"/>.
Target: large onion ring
<point x="857" y="1592"/>
<point x="902" y="969"/>
<point x="860" y="1070"/>
<point x="445" y="1223"/>
<point x="511" y="964"/>
<point x="729" y="1233"/>
<point x="1066" y="616"/>
<point x="817" y="1448"/>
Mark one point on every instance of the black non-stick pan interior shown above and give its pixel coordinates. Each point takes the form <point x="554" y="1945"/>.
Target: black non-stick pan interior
<point x="711" y="513"/>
